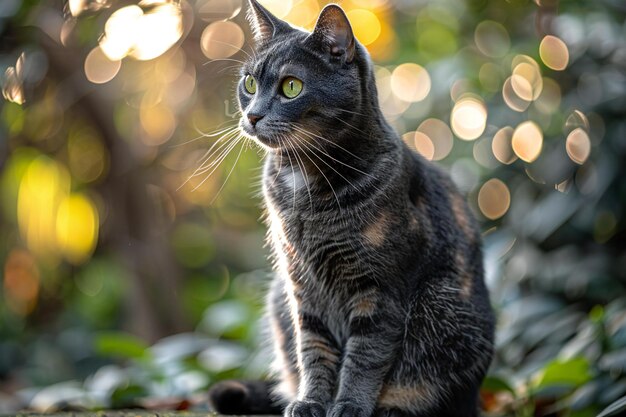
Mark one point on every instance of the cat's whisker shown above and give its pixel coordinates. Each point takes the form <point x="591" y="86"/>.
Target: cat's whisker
<point x="340" y="162"/>
<point x="218" y="161"/>
<point x="202" y="168"/>
<point x="312" y="149"/>
<point x="325" y="177"/>
<point x="293" y="176"/>
<point x="201" y="135"/>
<point x="224" y="59"/>
<point x="353" y="112"/>
<point x="309" y="133"/>
<point x="302" y="169"/>
<point x="231" y="171"/>
<point x="218" y="131"/>
<point x="222" y="141"/>
<point x="348" y="124"/>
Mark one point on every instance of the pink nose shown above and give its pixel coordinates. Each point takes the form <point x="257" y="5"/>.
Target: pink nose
<point x="254" y="118"/>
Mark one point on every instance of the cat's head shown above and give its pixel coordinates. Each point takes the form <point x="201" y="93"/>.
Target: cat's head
<point x="298" y="84"/>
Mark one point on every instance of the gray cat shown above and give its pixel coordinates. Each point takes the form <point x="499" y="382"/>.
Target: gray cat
<point x="378" y="307"/>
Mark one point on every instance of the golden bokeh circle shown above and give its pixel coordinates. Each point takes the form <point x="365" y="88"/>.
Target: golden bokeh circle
<point x="578" y="146"/>
<point x="410" y="82"/>
<point x="221" y="40"/>
<point x="554" y="53"/>
<point x="527" y="141"/>
<point x="494" y="199"/>
<point x="469" y="118"/>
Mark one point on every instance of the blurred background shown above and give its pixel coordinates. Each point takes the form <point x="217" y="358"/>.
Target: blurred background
<point x="133" y="264"/>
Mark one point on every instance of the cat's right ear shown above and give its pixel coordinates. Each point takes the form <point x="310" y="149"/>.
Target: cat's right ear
<point x="264" y="24"/>
<point x="334" y="34"/>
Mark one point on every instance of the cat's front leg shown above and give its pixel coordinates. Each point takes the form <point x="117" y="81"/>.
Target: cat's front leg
<point x="369" y="353"/>
<point x="318" y="357"/>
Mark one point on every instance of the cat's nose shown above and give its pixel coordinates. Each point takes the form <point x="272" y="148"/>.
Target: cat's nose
<point x="254" y="118"/>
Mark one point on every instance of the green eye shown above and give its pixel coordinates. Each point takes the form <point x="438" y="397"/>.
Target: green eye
<point x="292" y="87"/>
<point x="250" y="84"/>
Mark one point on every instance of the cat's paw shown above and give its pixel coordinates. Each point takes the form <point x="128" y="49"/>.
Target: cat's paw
<point x="347" y="409"/>
<point x="305" y="409"/>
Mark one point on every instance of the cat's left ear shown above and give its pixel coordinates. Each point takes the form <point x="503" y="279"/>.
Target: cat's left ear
<point x="334" y="33"/>
<point x="264" y="24"/>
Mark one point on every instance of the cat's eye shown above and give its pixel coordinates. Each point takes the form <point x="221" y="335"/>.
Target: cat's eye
<point x="250" y="83"/>
<point x="292" y="87"/>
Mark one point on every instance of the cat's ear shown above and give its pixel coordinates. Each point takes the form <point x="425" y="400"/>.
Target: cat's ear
<point x="264" y="24"/>
<point x="333" y="32"/>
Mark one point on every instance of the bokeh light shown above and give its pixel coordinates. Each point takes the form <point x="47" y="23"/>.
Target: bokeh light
<point x="439" y="135"/>
<point x="410" y="82"/>
<point x="145" y="36"/>
<point x="492" y="39"/>
<point x="554" y="53"/>
<point x="99" y="68"/>
<point x="279" y="8"/>
<point x="527" y="141"/>
<point x="214" y="10"/>
<point x="21" y="283"/>
<point x="158" y="122"/>
<point x="494" y="199"/>
<point x="502" y="146"/>
<point x="469" y="118"/>
<point x="221" y="40"/>
<point x="76" y="228"/>
<point x="365" y="25"/>
<point x="578" y="146"/>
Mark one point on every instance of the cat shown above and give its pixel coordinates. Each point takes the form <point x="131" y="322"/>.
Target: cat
<point x="378" y="306"/>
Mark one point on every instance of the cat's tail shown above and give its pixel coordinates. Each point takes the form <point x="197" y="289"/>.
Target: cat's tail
<point x="244" y="397"/>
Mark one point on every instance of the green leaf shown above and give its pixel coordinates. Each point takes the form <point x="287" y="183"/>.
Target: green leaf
<point x="494" y="384"/>
<point x="617" y="407"/>
<point x="573" y="372"/>
<point x="121" y="344"/>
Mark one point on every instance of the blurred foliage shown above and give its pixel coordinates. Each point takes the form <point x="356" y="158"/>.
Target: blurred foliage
<point x="133" y="266"/>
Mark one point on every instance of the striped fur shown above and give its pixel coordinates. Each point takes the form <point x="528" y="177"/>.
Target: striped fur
<point x="378" y="307"/>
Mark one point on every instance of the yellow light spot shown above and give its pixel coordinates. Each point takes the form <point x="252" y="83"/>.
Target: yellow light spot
<point x="120" y="32"/>
<point x="502" y="147"/>
<point x="424" y="145"/>
<point x="439" y="134"/>
<point x="157" y="31"/>
<point x="494" y="199"/>
<point x="145" y="36"/>
<point x="304" y="14"/>
<point x="526" y="80"/>
<point x="212" y="10"/>
<point x="44" y="184"/>
<point x="21" y="282"/>
<point x="554" y="53"/>
<point x="492" y="39"/>
<point x="527" y="141"/>
<point x="77" y="228"/>
<point x="410" y="82"/>
<point x="158" y="122"/>
<point x="365" y="25"/>
<point x="578" y="146"/>
<point x="469" y="118"/>
<point x="98" y="68"/>
<point x="79" y="6"/>
<point x="221" y="40"/>
<point x="279" y="8"/>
